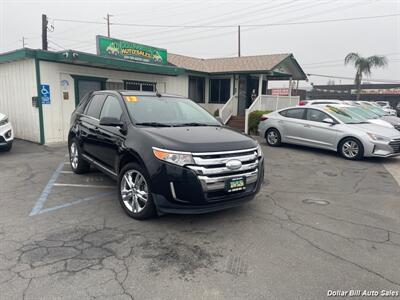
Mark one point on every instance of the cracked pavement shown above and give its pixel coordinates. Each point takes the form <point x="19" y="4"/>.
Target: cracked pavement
<point x="321" y="223"/>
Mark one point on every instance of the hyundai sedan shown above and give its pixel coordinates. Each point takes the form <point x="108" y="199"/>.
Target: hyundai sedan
<point x="333" y="127"/>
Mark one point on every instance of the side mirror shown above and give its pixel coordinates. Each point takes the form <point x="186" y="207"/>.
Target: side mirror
<point x="329" y="121"/>
<point x="219" y="119"/>
<point x="109" y="121"/>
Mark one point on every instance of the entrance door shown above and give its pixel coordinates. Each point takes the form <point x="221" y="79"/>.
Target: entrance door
<point x="87" y="86"/>
<point x="242" y="95"/>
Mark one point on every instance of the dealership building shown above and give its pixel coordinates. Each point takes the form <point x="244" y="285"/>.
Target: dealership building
<point x="40" y="89"/>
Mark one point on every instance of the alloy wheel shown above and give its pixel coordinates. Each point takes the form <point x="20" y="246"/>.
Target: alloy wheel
<point x="74" y="155"/>
<point x="350" y="149"/>
<point x="272" y="137"/>
<point x="134" y="191"/>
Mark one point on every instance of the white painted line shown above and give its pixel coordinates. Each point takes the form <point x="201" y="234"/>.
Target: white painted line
<point x="85" y="185"/>
<point x="66" y="162"/>
<point x="67" y="172"/>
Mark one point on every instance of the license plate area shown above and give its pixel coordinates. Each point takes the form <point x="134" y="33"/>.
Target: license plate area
<point x="235" y="184"/>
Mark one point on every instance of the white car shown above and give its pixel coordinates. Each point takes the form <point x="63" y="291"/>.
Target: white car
<point x="372" y="118"/>
<point x="385" y="106"/>
<point x="6" y="133"/>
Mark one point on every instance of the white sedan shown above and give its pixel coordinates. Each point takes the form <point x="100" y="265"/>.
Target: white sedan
<point x="6" y="133"/>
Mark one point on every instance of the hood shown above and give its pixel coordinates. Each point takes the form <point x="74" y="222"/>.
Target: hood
<point x="199" y="139"/>
<point x="378" y="130"/>
<point x="391" y="119"/>
<point x="381" y="122"/>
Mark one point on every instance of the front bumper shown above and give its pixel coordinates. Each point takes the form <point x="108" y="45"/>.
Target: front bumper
<point x="180" y="190"/>
<point x="382" y="149"/>
<point x="6" y="135"/>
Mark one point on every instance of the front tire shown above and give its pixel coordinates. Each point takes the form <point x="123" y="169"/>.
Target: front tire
<point x="351" y="149"/>
<point x="273" y="137"/>
<point x="134" y="192"/>
<point x="78" y="164"/>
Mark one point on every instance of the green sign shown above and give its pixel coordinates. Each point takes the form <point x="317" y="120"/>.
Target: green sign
<point x="130" y="51"/>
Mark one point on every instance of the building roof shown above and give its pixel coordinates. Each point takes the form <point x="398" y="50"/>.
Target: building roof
<point x="276" y="66"/>
<point x="227" y="64"/>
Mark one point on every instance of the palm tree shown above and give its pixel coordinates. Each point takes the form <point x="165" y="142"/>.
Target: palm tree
<point x="364" y="66"/>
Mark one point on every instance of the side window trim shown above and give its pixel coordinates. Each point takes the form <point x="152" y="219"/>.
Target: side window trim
<point x="304" y="116"/>
<point x="84" y="113"/>
<point x="119" y="103"/>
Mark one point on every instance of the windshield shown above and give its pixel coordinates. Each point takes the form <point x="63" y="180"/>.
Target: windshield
<point x="167" y="111"/>
<point x="363" y="112"/>
<point x="377" y="110"/>
<point x="345" y="115"/>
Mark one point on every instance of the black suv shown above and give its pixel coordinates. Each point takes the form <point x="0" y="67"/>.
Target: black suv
<point x="168" y="154"/>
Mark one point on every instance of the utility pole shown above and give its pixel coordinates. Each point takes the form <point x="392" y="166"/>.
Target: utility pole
<point x="23" y="42"/>
<point x="44" y="32"/>
<point x="238" y="40"/>
<point x="108" y="24"/>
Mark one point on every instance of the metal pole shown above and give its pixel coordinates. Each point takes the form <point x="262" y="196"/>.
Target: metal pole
<point x="44" y="32"/>
<point x="108" y="24"/>
<point x="238" y="40"/>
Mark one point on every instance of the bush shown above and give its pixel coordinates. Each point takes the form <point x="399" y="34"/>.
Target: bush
<point x="216" y="113"/>
<point x="254" y="120"/>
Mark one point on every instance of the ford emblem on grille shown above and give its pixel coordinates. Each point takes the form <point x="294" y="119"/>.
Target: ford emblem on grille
<point x="234" y="164"/>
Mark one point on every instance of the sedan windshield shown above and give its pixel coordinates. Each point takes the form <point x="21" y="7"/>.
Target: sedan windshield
<point x="377" y="110"/>
<point x="167" y="111"/>
<point x="368" y="114"/>
<point x="345" y="115"/>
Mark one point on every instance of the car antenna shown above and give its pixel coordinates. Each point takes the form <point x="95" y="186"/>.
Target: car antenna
<point x="158" y="94"/>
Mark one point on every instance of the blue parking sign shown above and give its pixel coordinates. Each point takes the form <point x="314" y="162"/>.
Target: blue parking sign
<point x="45" y="93"/>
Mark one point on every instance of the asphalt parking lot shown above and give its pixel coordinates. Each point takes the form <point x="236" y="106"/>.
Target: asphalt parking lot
<point x="321" y="223"/>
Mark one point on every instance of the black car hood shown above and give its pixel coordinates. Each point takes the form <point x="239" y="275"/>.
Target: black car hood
<point x="199" y="139"/>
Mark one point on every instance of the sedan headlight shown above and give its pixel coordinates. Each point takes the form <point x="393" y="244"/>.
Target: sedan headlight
<point x="173" y="157"/>
<point x="3" y="121"/>
<point x="377" y="137"/>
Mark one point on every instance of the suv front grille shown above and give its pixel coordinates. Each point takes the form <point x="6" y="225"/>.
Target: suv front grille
<point x="395" y="145"/>
<point x="213" y="173"/>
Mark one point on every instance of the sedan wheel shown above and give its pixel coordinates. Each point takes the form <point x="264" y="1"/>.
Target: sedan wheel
<point x="273" y="137"/>
<point x="351" y="149"/>
<point x="134" y="191"/>
<point x="78" y="164"/>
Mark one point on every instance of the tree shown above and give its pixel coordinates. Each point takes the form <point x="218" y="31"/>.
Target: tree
<point x="363" y="66"/>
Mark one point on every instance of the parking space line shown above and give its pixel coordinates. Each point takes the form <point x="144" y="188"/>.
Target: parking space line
<point x="85" y="185"/>
<point x="67" y="172"/>
<point x="75" y="202"/>
<point x="46" y="191"/>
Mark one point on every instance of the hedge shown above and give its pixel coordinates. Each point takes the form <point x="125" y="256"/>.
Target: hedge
<point x="254" y="120"/>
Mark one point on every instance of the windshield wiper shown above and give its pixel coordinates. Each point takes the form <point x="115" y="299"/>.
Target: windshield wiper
<point x="194" y="124"/>
<point x="154" y="124"/>
<point x="363" y="122"/>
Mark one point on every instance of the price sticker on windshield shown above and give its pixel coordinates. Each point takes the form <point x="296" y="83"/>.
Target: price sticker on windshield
<point x="131" y="98"/>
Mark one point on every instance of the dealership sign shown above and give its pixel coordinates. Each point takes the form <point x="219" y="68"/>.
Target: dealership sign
<point x="280" y="92"/>
<point x="121" y="49"/>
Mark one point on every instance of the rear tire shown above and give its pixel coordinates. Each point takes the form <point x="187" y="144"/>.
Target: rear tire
<point x="134" y="192"/>
<point x="351" y="149"/>
<point x="273" y="137"/>
<point x="78" y="164"/>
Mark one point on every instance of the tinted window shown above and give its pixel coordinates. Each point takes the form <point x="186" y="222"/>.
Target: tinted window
<point x="111" y="108"/>
<point x="316" y="115"/>
<point x="295" y="113"/>
<point x="95" y="105"/>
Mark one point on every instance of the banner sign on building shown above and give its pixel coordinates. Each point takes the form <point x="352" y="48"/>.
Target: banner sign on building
<point x="388" y="91"/>
<point x="280" y="92"/>
<point x="121" y="49"/>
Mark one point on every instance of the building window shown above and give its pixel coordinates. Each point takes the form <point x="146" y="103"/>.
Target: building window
<point x="140" y="86"/>
<point x="220" y="90"/>
<point x="196" y="89"/>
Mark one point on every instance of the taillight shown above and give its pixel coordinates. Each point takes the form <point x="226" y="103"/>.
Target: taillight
<point x="302" y="103"/>
<point x="263" y="118"/>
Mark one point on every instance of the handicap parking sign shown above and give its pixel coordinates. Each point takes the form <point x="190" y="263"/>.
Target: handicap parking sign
<point x="45" y="93"/>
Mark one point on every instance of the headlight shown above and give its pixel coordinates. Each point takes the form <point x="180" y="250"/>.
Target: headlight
<point x="173" y="157"/>
<point x="3" y="121"/>
<point x="377" y="137"/>
<point x="259" y="151"/>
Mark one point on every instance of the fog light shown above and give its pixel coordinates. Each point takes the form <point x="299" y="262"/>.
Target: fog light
<point x="8" y="134"/>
